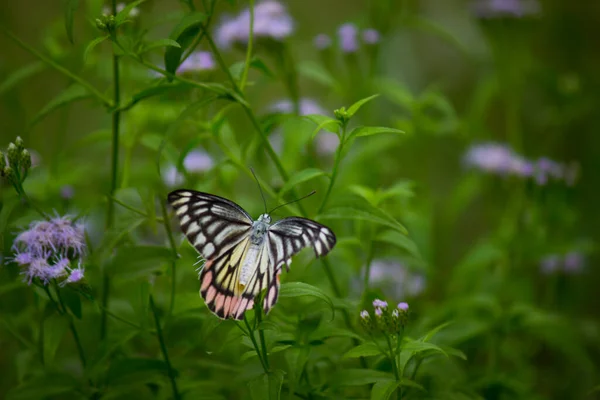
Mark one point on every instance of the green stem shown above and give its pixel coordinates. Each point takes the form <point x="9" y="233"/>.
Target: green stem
<point x="261" y="335"/>
<point x="59" y="68"/>
<point x="173" y="246"/>
<point x="394" y="363"/>
<point x="244" y="76"/>
<point x="163" y="348"/>
<point x="135" y="210"/>
<point x="116" y="125"/>
<point x="334" y="172"/>
<point x="71" y="326"/>
<point x="250" y="334"/>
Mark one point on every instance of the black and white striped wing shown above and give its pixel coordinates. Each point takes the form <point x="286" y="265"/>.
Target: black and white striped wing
<point x="211" y="223"/>
<point x="290" y="235"/>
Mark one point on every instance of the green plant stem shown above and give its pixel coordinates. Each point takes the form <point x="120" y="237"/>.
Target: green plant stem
<point x="394" y="364"/>
<point x="261" y="335"/>
<point x="398" y="350"/>
<point x="173" y="246"/>
<point x="163" y="348"/>
<point x="244" y="76"/>
<point x="59" y="68"/>
<point x="334" y="172"/>
<point x="71" y="326"/>
<point x="250" y="334"/>
<point x="116" y="125"/>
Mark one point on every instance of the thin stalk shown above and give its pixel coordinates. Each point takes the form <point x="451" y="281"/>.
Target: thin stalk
<point x="71" y="326"/>
<point x="244" y="76"/>
<point x="116" y="125"/>
<point x="163" y="348"/>
<point x="334" y="172"/>
<point x="173" y="246"/>
<point x="250" y="334"/>
<point x="261" y="335"/>
<point x="59" y="68"/>
<point x="394" y="365"/>
<point x="135" y="210"/>
<point x="398" y="349"/>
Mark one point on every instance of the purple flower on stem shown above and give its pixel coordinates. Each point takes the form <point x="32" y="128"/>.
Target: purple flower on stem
<point x="378" y="312"/>
<point x="198" y="161"/>
<point x="196" y="62"/>
<point x="75" y="276"/>
<point x="364" y="314"/>
<point x="403" y="306"/>
<point x="380" y="303"/>
<point x="348" y="38"/>
<point x="370" y="36"/>
<point x="322" y="41"/>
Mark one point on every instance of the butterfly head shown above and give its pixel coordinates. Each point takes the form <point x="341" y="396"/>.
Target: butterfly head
<point x="266" y="218"/>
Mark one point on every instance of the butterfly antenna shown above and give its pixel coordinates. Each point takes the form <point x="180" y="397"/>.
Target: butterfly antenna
<point x="259" y="188"/>
<point x="293" y="201"/>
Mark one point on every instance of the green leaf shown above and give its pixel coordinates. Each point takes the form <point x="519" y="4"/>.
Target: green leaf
<point x="358" y="377"/>
<point x="72" y="301"/>
<point x="70" y="8"/>
<point x="300" y="177"/>
<point x="400" y="240"/>
<point x="157" y="44"/>
<point x="323" y="122"/>
<point x="433" y="331"/>
<point x="248" y="354"/>
<point x="47" y="385"/>
<point x="20" y="75"/>
<point x="92" y="45"/>
<point x="69" y="95"/>
<point x="122" y="15"/>
<point x="157" y="91"/>
<point x="183" y="33"/>
<point x="371" y="130"/>
<point x="326" y="331"/>
<point x="358" y="214"/>
<point x="126" y="370"/>
<point x="412" y="384"/>
<point x="317" y="73"/>
<point x="356" y="106"/>
<point x="55" y="327"/>
<point x="267" y="386"/>
<point x="255" y="63"/>
<point x="382" y="390"/>
<point x="363" y="350"/>
<point x="299" y="289"/>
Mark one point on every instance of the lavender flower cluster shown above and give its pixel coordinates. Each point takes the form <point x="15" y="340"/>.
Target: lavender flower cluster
<point x="506" y="8"/>
<point x="348" y="38"/>
<point x="569" y="263"/>
<point x="500" y="159"/>
<point x="384" y="320"/>
<point x="271" y="22"/>
<point x="51" y="250"/>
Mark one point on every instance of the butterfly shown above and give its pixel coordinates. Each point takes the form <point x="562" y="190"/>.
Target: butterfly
<point x="242" y="256"/>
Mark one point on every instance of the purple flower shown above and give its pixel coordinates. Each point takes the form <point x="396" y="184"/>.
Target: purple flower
<point x="490" y="157"/>
<point x="403" y="306"/>
<point x="573" y="262"/>
<point x="380" y="303"/>
<point x="364" y="314"/>
<point x="172" y="177"/>
<point x="271" y="21"/>
<point x="505" y="8"/>
<point x="198" y="161"/>
<point x="67" y="192"/>
<point x="550" y="264"/>
<point x="75" y="275"/>
<point x="197" y="61"/>
<point x="307" y="107"/>
<point x="370" y="36"/>
<point x="322" y="41"/>
<point x="347" y="34"/>
<point x="378" y="312"/>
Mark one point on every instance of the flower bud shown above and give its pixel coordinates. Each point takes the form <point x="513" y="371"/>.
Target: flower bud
<point x="25" y="160"/>
<point x="366" y="321"/>
<point x="2" y="163"/>
<point x="100" y="24"/>
<point x="7" y="172"/>
<point x="13" y="155"/>
<point x="19" y="143"/>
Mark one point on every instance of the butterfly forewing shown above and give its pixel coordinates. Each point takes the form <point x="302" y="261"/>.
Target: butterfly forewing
<point x="221" y="232"/>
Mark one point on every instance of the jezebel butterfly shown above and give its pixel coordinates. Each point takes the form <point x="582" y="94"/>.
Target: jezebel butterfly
<point x="242" y="256"/>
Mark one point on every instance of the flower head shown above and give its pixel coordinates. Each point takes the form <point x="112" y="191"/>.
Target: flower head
<point x="506" y="8"/>
<point x="380" y="303"/>
<point x="196" y="62"/>
<point x="198" y="161"/>
<point x="67" y="192"/>
<point x="364" y="314"/>
<point x="403" y="306"/>
<point x="370" y="36"/>
<point x="271" y="22"/>
<point x="348" y="38"/>
<point x="322" y="41"/>
<point x="378" y="312"/>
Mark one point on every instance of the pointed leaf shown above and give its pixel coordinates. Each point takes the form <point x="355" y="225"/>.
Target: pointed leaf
<point x="401" y="241"/>
<point x="363" y="350"/>
<point x="67" y="96"/>
<point x="92" y="45"/>
<point x="158" y="44"/>
<point x="371" y="130"/>
<point x="358" y="214"/>
<point x="382" y="390"/>
<point x="21" y="74"/>
<point x="323" y="122"/>
<point x="299" y="289"/>
<point x="300" y="177"/>
<point x="183" y="33"/>
<point x="356" y="106"/>
<point x="70" y="8"/>
<point x="357" y="377"/>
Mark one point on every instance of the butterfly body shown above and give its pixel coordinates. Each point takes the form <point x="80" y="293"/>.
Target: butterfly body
<point x="243" y="256"/>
